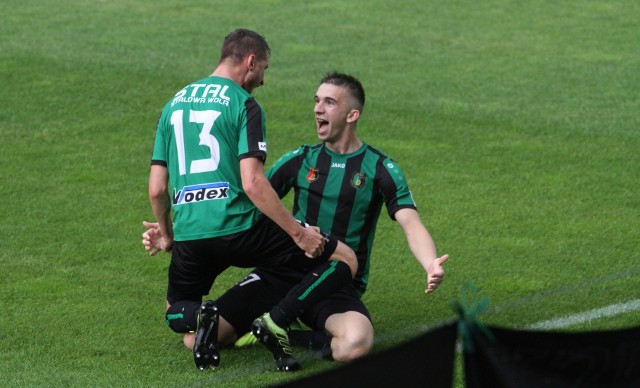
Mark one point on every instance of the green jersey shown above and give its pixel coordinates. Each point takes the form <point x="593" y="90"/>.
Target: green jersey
<point x="202" y="133"/>
<point x="343" y="194"/>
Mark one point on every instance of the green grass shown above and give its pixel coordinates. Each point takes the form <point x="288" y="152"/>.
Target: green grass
<point x="516" y="124"/>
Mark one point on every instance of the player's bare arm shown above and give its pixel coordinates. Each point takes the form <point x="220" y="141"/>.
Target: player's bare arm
<point x="161" y="203"/>
<point x="422" y="247"/>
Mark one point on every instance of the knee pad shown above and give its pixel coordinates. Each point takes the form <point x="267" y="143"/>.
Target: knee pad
<point x="181" y="316"/>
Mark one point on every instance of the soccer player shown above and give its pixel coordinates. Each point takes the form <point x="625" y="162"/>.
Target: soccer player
<point x="339" y="185"/>
<point x="207" y="166"/>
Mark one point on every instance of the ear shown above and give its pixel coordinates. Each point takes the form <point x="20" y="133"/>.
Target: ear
<point x="354" y="115"/>
<point x="250" y="61"/>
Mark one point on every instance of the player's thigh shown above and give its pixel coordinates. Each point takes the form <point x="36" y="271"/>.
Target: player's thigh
<point x="247" y="300"/>
<point x="342" y="301"/>
<point x="192" y="270"/>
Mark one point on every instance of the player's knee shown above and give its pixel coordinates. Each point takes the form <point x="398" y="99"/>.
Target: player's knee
<point x="351" y="347"/>
<point x="353" y="264"/>
<point x="181" y="316"/>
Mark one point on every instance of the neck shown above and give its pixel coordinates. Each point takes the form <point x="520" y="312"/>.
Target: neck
<point x="346" y="145"/>
<point x="234" y="73"/>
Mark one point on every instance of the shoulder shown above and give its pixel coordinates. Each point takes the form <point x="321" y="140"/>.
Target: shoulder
<point x="386" y="167"/>
<point x="302" y="151"/>
<point x="381" y="156"/>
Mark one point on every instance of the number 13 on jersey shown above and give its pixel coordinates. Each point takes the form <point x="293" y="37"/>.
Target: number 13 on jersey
<point x="206" y="118"/>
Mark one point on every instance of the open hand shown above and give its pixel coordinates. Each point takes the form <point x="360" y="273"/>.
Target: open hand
<point x="153" y="240"/>
<point x="435" y="274"/>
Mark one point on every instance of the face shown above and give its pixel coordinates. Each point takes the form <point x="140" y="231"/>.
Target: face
<point x="255" y="77"/>
<point x="333" y="110"/>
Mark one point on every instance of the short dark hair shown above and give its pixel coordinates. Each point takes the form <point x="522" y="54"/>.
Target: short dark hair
<point x="242" y="42"/>
<point x="351" y="83"/>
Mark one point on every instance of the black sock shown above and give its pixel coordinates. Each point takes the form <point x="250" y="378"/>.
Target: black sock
<point x="310" y="339"/>
<point x="321" y="282"/>
<point x="319" y="341"/>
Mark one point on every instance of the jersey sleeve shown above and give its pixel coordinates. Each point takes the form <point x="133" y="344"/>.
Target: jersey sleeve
<point x="284" y="171"/>
<point x="395" y="189"/>
<point x="252" y="141"/>
<point x="159" y="155"/>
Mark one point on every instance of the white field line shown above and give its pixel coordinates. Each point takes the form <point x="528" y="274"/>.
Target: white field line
<point x="575" y="319"/>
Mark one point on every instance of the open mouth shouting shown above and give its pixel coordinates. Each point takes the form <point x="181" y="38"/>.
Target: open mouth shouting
<point x="322" y="125"/>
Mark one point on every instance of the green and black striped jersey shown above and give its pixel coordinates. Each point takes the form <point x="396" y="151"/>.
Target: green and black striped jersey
<point x="343" y="194"/>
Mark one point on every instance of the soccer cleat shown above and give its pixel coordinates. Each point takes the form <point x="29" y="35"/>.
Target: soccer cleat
<point x="205" y="349"/>
<point x="249" y="339"/>
<point x="295" y="325"/>
<point x="246" y="340"/>
<point x="276" y="340"/>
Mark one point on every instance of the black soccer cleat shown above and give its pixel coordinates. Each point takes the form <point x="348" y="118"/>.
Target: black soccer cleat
<point x="276" y="340"/>
<point x="205" y="350"/>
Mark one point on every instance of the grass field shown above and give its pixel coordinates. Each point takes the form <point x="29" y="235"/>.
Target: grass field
<point x="516" y="123"/>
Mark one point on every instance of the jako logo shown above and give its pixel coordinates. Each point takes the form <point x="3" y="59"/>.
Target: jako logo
<point x="203" y="192"/>
<point x="338" y="165"/>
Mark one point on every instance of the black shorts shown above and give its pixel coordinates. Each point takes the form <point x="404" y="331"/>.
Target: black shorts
<point x="195" y="264"/>
<point x="263" y="288"/>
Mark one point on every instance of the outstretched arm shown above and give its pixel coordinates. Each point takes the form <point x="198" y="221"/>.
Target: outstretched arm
<point x="422" y="247"/>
